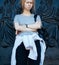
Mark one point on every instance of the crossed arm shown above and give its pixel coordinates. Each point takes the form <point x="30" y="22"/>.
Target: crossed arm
<point x="31" y="27"/>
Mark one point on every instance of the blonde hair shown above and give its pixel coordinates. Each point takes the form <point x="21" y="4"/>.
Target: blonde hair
<point x="23" y="2"/>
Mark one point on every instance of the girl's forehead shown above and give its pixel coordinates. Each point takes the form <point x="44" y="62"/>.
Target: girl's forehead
<point x="29" y="0"/>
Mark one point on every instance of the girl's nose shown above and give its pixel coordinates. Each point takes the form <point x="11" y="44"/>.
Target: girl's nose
<point x="29" y="3"/>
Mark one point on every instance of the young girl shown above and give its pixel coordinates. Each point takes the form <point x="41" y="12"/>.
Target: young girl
<point x="27" y="46"/>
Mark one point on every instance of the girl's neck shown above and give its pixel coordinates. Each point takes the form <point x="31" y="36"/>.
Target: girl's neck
<point x="25" y="12"/>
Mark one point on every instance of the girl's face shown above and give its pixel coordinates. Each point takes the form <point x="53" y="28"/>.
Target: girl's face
<point x="28" y="5"/>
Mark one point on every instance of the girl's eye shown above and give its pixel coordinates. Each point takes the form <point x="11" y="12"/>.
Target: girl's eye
<point x="30" y="2"/>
